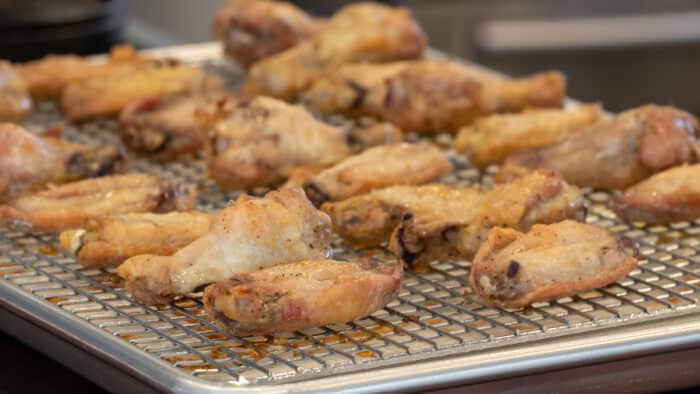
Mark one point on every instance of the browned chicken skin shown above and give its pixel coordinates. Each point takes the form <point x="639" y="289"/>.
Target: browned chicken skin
<point x="618" y="152"/>
<point x="358" y="32"/>
<point x="109" y="240"/>
<point x="669" y="196"/>
<point x="301" y="295"/>
<point x="29" y="162"/>
<point x="15" y="102"/>
<point x="540" y="197"/>
<point x="251" y="30"/>
<point x="512" y="270"/>
<point x="376" y="168"/>
<point x="251" y="234"/>
<point x="72" y="205"/>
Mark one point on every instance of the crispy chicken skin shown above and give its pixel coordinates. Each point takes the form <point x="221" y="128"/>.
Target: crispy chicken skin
<point x="669" y="196"/>
<point x="250" y="234"/>
<point x="376" y="168"/>
<point x="46" y="78"/>
<point x="301" y="295"/>
<point x="15" y="102"/>
<point x="491" y="139"/>
<point x="259" y="143"/>
<point x="369" y="219"/>
<point x="540" y="197"/>
<point x="618" y="152"/>
<point x="512" y="270"/>
<point x="251" y="30"/>
<point x="107" y="96"/>
<point x="109" y="240"/>
<point x="29" y="162"/>
<point x="429" y="96"/>
<point x="358" y="32"/>
<point x="72" y="205"/>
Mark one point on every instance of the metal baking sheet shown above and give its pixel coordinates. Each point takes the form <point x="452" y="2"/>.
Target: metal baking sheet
<point x="435" y="334"/>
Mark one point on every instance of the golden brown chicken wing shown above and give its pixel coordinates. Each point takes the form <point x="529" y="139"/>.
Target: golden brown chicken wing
<point x="15" y="102"/>
<point x="618" y="152"/>
<point x="540" y="197"/>
<point x="376" y="168"/>
<point x="72" y="205"/>
<point x="29" y="162"/>
<point x="109" y="240"/>
<point x="491" y="139"/>
<point x="259" y="142"/>
<point x="669" y="196"/>
<point x="251" y="234"/>
<point x="358" y="32"/>
<point x="512" y="270"/>
<point x="301" y="295"/>
<point x="251" y="30"/>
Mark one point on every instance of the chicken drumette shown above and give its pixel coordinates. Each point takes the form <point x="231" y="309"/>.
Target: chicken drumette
<point x="15" y="102"/>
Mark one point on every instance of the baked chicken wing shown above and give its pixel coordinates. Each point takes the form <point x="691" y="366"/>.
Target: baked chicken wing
<point x="72" y="205"/>
<point x="540" y="197"/>
<point x="109" y="240"/>
<point x="251" y="234"/>
<point x="430" y="96"/>
<point x="15" y="102"/>
<point x="376" y="168"/>
<point x="29" y="161"/>
<point x="301" y="295"/>
<point x="251" y="30"/>
<point x="512" y="270"/>
<point x="491" y="139"/>
<point x="618" y="152"/>
<point x="358" y="32"/>
<point x="669" y="196"/>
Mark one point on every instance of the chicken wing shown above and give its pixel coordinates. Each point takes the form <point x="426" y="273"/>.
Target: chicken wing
<point x="618" y="152"/>
<point x="358" y="32"/>
<point x="72" y="205"/>
<point x="259" y="142"/>
<point x="87" y="99"/>
<point x="376" y="168"/>
<point x="369" y="219"/>
<point x="669" y="196"/>
<point x="540" y="197"/>
<point x="109" y="240"/>
<point x="512" y="270"/>
<point x="491" y="139"/>
<point x="301" y="295"/>
<point x="15" y="102"/>
<point x="430" y="96"/>
<point x="251" y="234"/>
<point x="29" y="161"/>
<point x="251" y="30"/>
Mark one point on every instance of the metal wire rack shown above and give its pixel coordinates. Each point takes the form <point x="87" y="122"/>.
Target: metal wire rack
<point x="435" y="315"/>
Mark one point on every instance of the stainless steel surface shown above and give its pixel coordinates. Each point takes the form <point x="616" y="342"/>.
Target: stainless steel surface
<point x="436" y="334"/>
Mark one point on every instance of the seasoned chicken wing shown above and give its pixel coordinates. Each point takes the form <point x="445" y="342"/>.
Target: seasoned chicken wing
<point x="669" y="196"/>
<point x="251" y="30"/>
<point x="618" y="152"/>
<point x="72" y="205"/>
<point x="301" y="295"/>
<point x="251" y="234"/>
<point x="512" y="270"/>
<point x="259" y="142"/>
<point x="29" y="161"/>
<point x="369" y="219"/>
<point x="376" y="168"/>
<point x="15" y="102"/>
<point x="491" y="139"/>
<point x="107" y="96"/>
<point x="358" y="32"/>
<point x="540" y="197"/>
<point x="109" y="240"/>
<point x="429" y="96"/>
